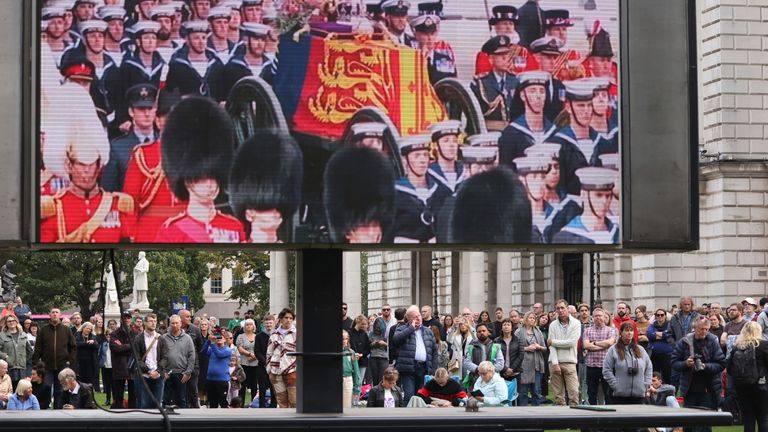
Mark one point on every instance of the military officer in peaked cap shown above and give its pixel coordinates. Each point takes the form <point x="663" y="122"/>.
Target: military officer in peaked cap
<point x="496" y="89"/>
<point x="396" y="13"/>
<point x="414" y="217"/>
<point x="252" y="60"/>
<point x="547" y="51"/>
<point x="441" y="60"/>
<point x="195" y="70"/>
<point x="594" y="225"/>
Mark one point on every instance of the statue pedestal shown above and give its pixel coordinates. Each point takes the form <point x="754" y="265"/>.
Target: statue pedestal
<point x="144" y="310"/>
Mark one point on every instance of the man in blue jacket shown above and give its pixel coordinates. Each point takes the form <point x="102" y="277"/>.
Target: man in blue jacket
<point x="418" y="352"/>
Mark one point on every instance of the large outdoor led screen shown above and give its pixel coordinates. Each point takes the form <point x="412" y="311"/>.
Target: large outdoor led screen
<point x="461" y="122"/>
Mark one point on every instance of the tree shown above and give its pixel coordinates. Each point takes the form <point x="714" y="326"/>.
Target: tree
<point x="252" y="268"/>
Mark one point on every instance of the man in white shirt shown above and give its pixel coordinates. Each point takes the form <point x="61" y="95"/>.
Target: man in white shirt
<point x="564" y="334"/>
<point x="152" y="358"/>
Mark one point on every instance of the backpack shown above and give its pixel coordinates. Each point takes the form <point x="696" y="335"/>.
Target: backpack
<point x="743" y="366"/>
<point x="731" y="405"/>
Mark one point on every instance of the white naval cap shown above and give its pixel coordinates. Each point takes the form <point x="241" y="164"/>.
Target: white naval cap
<point x="368" y="130"/>
<point x="487" y="139"/>
<point x="479" y="154"/>
<point x="91" y="25"/>
<point x="530" y="78"/>
<point x="163" y="10"/>
<point x="93" y="2"/>
<point x="195" y="27"/>
<point x="66" y="4"/>
<point x="142" y="27"/>
<point x="51" y="12"/>
<point x="593" y="178"/>
<point x="232" y="4"/>
<point x="252" y="29"/>
<point x="443" y="128"/>
<point x="425" y="23"/>
<point x="111" y="12"/>
<point x="582" y="89"/>
<point x="600" y="83"/>
<point x="610" y="161"/>
<point x="550" y="150"/>
<point x="532" y="164"/>
<point x="547" y="45"/>
<point x="413" y="143"/>
<point x="219" y="12"/>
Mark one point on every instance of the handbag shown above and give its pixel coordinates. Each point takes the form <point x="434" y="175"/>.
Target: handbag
<point x="453" y="365"/>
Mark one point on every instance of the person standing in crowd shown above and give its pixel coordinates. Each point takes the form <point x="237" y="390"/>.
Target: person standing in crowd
<point x="511" y="349"/>
<point x="40" y="389"/>
<point x="379" y="358"/>
<point x="351" y="375"/>
<point x="622" y="316"/>
<point x="74" y="394"/>
<point x="87" y="355"/>
<point x="627" y="368"/>
<point x="262" y="343"/>
<point x="563" y="339"/>
<point x="152" y="351"/>
<point x="428" y="319"/>
<point x="417" y="354"/>
<point x="56" y="348"/>
<point x="346" y="322"/>
<point x="15" y="349"/>
<point x="762" y="317"/>
<point x="642" y="322"/>
<point x="235" y="322"/>
<point x="479" y="350"/>
<point x="716" y="326"/>
<point x="499" y="315"/>
<point x="699" y="362"/>
<point x="194" y="332"/>
<point x="217" y="379"/>
<point x="105" y="360"/>
<point x="23" y="399"/>
<point x="236" y="379"/>
<point x="682" y="322"/>
<point x="181" y="363"/>
<point x="750" y="358"/>
<point x="206" y="328"/>
<point x="21" y="310"/>
<point x="386" y="394"/>
<point x="246" y="347"/>
<point x="121" y="349"/>
<point x="282" y="367"/>
<point x="597" y="341"/>
<point x="534" y="345"/>
<point x="661" y="342"/>
<point x="732" y="329"/>
<point x="360" y="343"/>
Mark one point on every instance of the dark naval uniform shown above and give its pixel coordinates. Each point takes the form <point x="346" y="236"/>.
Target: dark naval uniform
<point x="495" y="94"/>
<point x="184" y="77"/>
<point x="608" y="143"/>
<point x="555" y="99"/>
<point x="224" y="55"/>
<point x="238" y="68"/>
<point x="441" y="62"/>
<point x="574" y="155"/>
<point x="119" y="155"/>
<point x="414" y="217"/>
<point x="133" y="72"/>
<point x="517" y="137"/>
<point x="576" y="233"/>
<point x="445" y="187"/>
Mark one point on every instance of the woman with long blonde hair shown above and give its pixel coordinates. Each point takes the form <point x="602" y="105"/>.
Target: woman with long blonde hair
<point x="753" y="397"/>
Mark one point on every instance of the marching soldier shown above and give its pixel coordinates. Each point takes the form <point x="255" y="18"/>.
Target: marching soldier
<point x="568" y="65"/>
<point x="495" y="89"/>
<point x="593" y="226"/>
<point x="251" y="11"/>
<point x="548" y="54"/>
<point x="396" y="13"/>
<point x="250" y="61"/>
<point x="197" y="147"/>
<point x="55" y="31"/>
<point x="414" y="218"/>
<point x="116" y="44"/>
<point x="613" y="162"/>
<point x="77" y="150"/>
<point x="604" y="118"/>
<point x="142" y="102"/>
<point x="447" y="172"/>
<point x="145" y="179"/>
<point x="503" y="22"/>
<point x="532" y="170"/>
<point x="441" y="61"/>
<point x="235" y="20"/>
<point x="82" y="11"/>
<point x="199" y="9"/>
<point x="142" y="11"/>
<point x="265" y="186"/>
<point x="164" y="16"/>
<point x="194" y="70"/>
<point x="479" y="159"/>
<point x="532" y="127"/>
<point x="218" y="41"/>
<point x="144" y="65"/>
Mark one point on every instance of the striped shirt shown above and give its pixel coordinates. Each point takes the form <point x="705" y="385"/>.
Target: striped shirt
<point x="597" y="334"/>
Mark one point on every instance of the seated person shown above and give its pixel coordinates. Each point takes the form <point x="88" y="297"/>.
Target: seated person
<point x="490" y="388"/>
<point x="661" y="394"/>
<point x="74" y="394"/>
<point x="23" y="399"/>
<point x="6" y="387"/>
<point x="386" y="394"/>
<point x="442" y="391"/>
<point x="40" y="389"/>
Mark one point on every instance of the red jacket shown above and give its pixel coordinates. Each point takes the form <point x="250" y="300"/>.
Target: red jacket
<point x="618" y="321"/>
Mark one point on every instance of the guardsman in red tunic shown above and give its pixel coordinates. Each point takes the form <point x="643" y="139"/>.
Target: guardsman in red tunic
<point x="601" y="63"/>
<point x="145" y="180"/>
<point x="504" y="22"/>
<point x="197" y="147"/>
<point x="568" y="64"/>
<point x="83" y="212"/>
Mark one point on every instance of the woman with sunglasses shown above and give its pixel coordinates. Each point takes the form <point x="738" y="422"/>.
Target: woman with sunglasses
<point x="660" y="344"/>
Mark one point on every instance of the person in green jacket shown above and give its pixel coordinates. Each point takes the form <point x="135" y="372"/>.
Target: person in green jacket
<point x="15" y="349"/>
<point x="351" y="372"/>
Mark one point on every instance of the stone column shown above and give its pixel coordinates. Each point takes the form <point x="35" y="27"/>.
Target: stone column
<point x="278" y="281"/>
<point x="472" y="292"/>
<point x="504" y="281"/>
<point x="352" y="293"/>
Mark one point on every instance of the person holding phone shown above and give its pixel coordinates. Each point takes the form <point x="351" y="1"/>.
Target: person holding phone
<point x="74" y="394"/>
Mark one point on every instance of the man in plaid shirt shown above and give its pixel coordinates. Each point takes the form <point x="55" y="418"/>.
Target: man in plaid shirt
<point x="597" y="339"/>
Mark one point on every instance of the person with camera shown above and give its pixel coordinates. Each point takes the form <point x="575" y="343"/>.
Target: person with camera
<point x="627" y="368"/>
<point x="698" y="359"/>
<point x="217" y="379"/>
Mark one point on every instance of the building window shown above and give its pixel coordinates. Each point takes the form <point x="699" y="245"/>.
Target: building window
<point x="216" y="284"/>
<point x="237" y="281"/>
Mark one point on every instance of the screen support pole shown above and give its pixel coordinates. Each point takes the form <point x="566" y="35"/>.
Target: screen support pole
<point x="319" y="278"/>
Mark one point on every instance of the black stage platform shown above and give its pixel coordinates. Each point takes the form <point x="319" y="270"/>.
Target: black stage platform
<point x="367" y="419"/>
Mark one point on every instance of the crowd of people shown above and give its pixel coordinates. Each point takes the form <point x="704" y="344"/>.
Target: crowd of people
<point x="701" y="357"/>
<point x="112" y="72"/>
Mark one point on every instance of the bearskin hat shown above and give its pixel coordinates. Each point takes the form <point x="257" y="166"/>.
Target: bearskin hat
<point x="267" y="173"/>
<point x="359" y="189"/>
<point x="492" y="208"/>
<point x="197" y="143"/>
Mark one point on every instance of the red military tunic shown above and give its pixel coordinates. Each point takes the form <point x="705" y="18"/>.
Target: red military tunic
<point x="522" y="61"/>
<point x="51" y="184"/>
<point x="106" y="217"/>
<point x="613" y="88"/>
<point x="185" y="229"/>
<point x="145" y="181"/>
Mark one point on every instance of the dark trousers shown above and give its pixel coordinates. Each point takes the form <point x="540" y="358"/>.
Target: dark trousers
<point x="413" y="381"/>
<point x="156" y="387"/>
<point x="106" y="378"/>
<point x="175" y="391"/>
<point x="118" y="389"/>
<point x="595" y="379"/>
<point x="662" y="363"/>
<point x="52" y="379"/>
<point x="262" y="377"/>
<point x="702" y="400"/>
<point x="217" y="393"/>
<point x="251" y="382"/>
<point x="753" y="402"/>
<point x="192" y="400"/>
<point x="377" y="366"/>
<point x="620" y="400"/>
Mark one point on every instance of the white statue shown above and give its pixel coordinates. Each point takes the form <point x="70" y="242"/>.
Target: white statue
<point x="112" y="305"/>
<point x="140" y="284"/>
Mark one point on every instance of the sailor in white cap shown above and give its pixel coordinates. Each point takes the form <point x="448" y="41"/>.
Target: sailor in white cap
<point x="414" y="218"/>
<point x="531" y="127"/>
<point x="200" y="9"/>
<point x="602" y="120"/>
<point x="164" y="15"/>
<point x="593" y="226"/>
<point x="441" y="60"/>
<point x="613" y="161"/>
<point x="143" y="65"/>
<point x="252" y="11"/>
<point x="55" y="30"/>
<point x="251" y="60"/>
<point x="479" y="159"/>
<point x="532" y="171"/>
<point x="83" y="11"/>
<point x="235" y="19"/>
<point x="446" y="170"/>
<point x="396" y="16"/>
<point x="116" y="43"/>
<point x="70" y="34"/>
<point x="548" y="52"/>
<point x="218" y="41"/>
<point x="195" y="70"/>
<point x="368" y="134"/>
